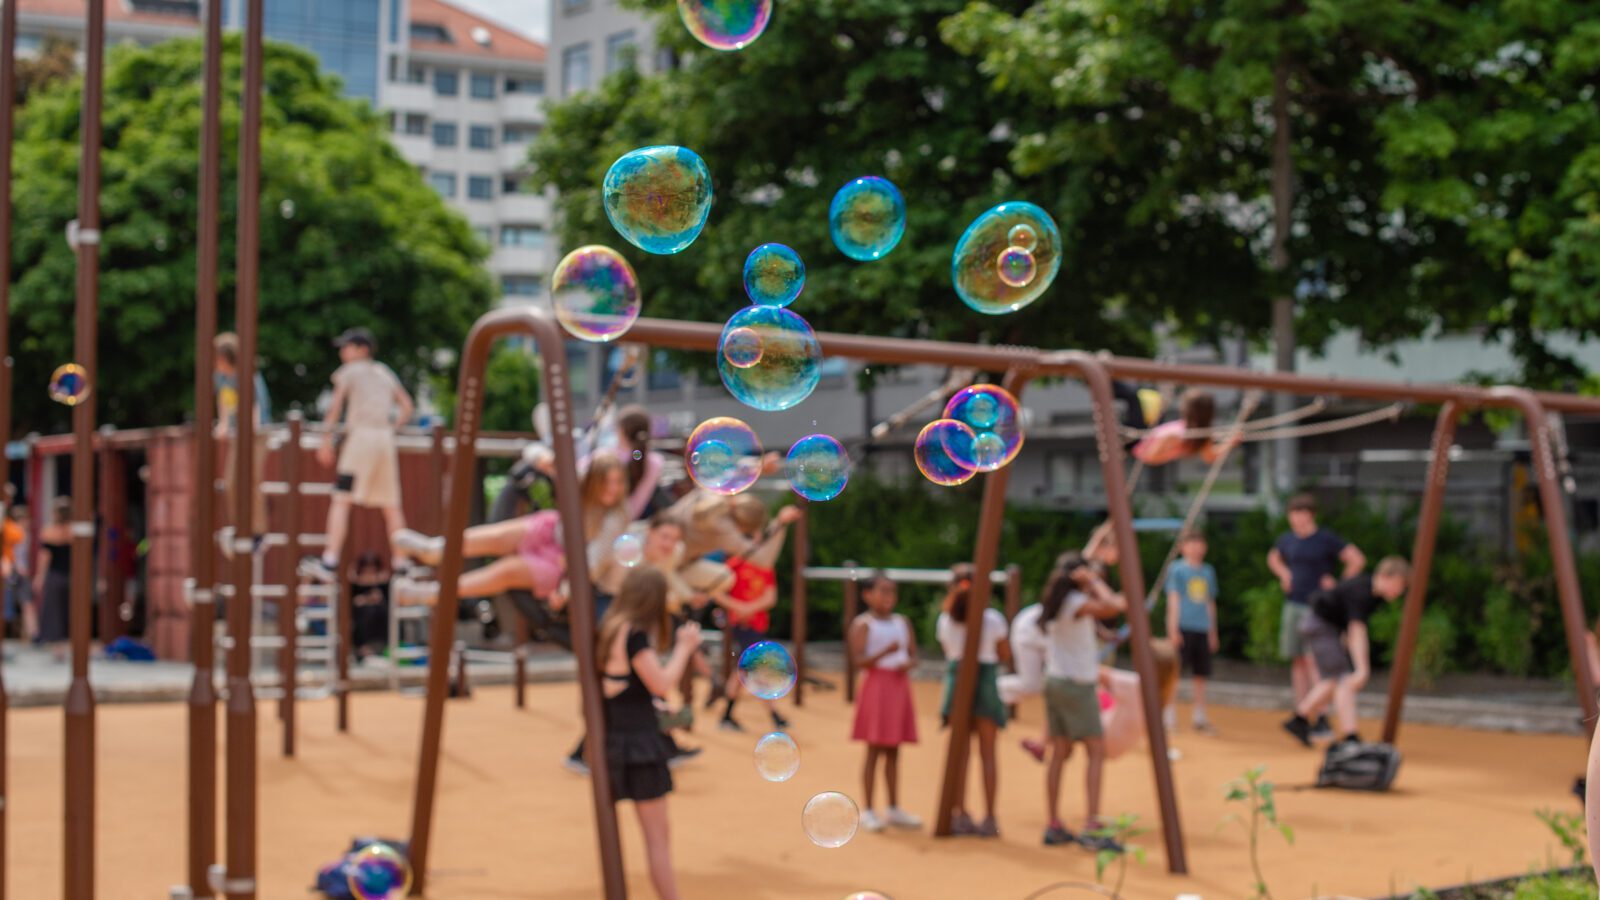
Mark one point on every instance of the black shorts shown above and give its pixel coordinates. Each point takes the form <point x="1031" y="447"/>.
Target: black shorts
<point x="1325" y="642"/>
<point x="1196" y="656"/>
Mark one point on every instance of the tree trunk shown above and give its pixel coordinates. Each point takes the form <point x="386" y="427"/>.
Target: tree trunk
<point x="1285" y="474"/>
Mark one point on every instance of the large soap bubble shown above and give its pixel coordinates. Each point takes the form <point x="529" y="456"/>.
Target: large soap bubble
<point x="774" y="275"/>
<point x="830" y="819"/>
<point x="867" y="218"/>
<point x="658" y="197"/>
<point x="818" y="467"/>
<point x="723" y="455"/>
<point x="725" y="24"/>
<point x="789" y="364"/>
<point x="1007" y="258"/>
<point x="595" y="294"/>
<point x="940" y="447"/>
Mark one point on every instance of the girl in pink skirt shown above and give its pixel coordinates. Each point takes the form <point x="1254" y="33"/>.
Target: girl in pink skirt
<point x="883" y="645"/>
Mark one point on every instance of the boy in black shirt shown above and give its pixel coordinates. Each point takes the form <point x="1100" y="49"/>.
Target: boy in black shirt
<point x="1335" y="634"/>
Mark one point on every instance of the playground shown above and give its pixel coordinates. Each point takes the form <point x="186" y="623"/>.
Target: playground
<point x="739" y="837"/>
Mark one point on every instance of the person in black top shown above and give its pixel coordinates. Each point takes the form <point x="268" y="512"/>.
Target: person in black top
<point x="1335" y="635"/>
<point x="632" y="676"/>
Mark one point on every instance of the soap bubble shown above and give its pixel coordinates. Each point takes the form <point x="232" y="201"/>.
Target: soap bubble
<point x="658" y="197"/>
<point x="790" y="364"/>
<point x="867" y="218"/>
<point x="974" y="268"/>
<point x="595" y="294"/>
<point x="777" y="757"/>
<point x="69" y="384"/>
<point x="818" y="467"/>
<point x="724" y="455"/>
<point x="774" y="275"/>
<point x="991" y="413"/>
<point x="867" y="895"/>
<point x="830" y="819"/>
<point x="940" y="447"/>
<point x="628" y="550"/>
<point x="741" y="347"/>
<point x="767" y="670"/>
<point x="378" y="872"/>
<point x="1016" y="267"/>
<point x="725" y="24"/>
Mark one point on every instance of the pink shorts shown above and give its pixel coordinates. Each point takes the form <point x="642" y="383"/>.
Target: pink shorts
<point x="540" y="550"/>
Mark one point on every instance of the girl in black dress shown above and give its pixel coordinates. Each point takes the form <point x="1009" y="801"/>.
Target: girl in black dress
<point x="631" y="677"/>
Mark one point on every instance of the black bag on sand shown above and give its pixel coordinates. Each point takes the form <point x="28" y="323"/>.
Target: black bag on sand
<point x="1359" y="766"/>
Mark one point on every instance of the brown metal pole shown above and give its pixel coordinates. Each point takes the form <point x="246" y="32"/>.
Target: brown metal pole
<point x="519" y="661"/>
<point x="852" y="607"/>
<point x="240" y="881"/>
<point x="79" y="856"/>
<point x="110" y="519"/>
<point x="1444" y="435"/>
<point x="289" y="612"/>
<point x="797" y="622"/>
<point x="1561" y="556"/>
<point x="202" y="781"/>
<point x="8" y="93"/>
<point x="1121" y="514"/>
<point x="985" y="555"/>
<point x="469" y="412"/>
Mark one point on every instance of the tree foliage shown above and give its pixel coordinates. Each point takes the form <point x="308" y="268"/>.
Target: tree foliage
<point x="1446" y="156"/>
<point x="350" y="235"/>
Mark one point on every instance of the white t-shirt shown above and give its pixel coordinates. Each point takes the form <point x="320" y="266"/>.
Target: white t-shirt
<point x="1072" y="649"/>
<point x="953" y="636"/>
<point x="369" y="393"/>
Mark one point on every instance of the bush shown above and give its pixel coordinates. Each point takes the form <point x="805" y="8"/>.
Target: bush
<point x="1505" y="636"/>
<point x="1263" y="614"/>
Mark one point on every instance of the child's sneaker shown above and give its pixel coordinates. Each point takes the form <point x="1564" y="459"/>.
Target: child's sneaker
<point x="1057" y="834"/>
<point x="1299" y="727"/>
<point x="418" y="546"/>
<point x="1203" y="725"/>
<point x="1034" y="748"/>
<point x="1097" y="841"/>
<point x="871" y="822"/>
<point x="1322" y="730"/>
<point x="899" y="818"/>
<point x="989" y="829"/>
<point x="961" y="825"/>
<point x="317" y="569"/>
<point x="576" y="766"/>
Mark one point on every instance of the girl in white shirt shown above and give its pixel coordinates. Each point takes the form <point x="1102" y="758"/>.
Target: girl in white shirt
<point x="883" y="645"/>
<point x="988" y="711"/>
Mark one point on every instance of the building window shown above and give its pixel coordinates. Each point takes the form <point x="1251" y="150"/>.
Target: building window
<point x="522" y="285"/>
<point x="444" y="183"/>
<point x="519" y="134"/>
<point x="446" y="82"/>
<point x="574" y="69"/>
<point x="445" y="134"/>
<point x="533" y="84"/>
<point x="511" y="184"/>
<point x="481" y="137"/>
<point x="574" y="7"/>
<point x="622" y="51"/>
<point x="416" y="123"/>
<point x="430" y="33"/>
<point x="480" y="187"/>
<point x="528" y="237"/>
<point x="416" y="73"/>
<point x="483" y="85"/>
<point x="666" y="59"/>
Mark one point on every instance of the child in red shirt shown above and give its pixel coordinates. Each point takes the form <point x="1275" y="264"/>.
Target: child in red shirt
<point x="748" y="603"/>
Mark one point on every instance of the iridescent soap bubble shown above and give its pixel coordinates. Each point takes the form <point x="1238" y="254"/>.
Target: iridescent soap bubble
<point x="628" y="550"/>
<point x="725" y="24"/>
<point x="777" y="757"/>
<point x="940" y="446"/>
<point x="818" y="467"/>
<point x="790" y="364"/>
<point x="658" y="197"/>
<point x="595" y="294"/>
<point x="774" y="275"/>
<point x="830" y="819"/>
<point x="992" y="414"/>
<point x="867" y="895"/>
<point x="378" y="872"/>
<point x="69" y="384"/>
<point x="1016" y="267"/>
<point x="867" y="218"/>
<point x="723" y="455"/>
<point x="974" y="269"/>
<point x="741" y="347"/>
<point x="767" y="670"/>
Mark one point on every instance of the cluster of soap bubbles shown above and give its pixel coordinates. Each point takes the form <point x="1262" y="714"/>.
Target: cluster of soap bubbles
<point x="723" y="455"/>
<point x="69" y="384"/>
<point x="378" y="872"/>
<point x="980" y="431"/>
<point x="1007" y="258"/>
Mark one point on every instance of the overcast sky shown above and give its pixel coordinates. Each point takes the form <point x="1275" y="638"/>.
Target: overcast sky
<point x="531" y="17"/>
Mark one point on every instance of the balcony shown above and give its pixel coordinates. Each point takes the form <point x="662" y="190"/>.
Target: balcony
<point x="405" y="96"/>
<point x="417" y="149"/>
<point x="521" y="107"/>
<point x="513" y="157"/>
<point x="532" y="209"/>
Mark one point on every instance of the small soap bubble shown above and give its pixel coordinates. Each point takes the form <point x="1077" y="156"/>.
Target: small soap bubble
<point x="940" y="447"/>
<point x="774" y="275"/>
<point x="1016" y="267"/>
<point x="725" y="24"/>
<point x="658" y="197"/>
<point x="724" y="455"/>
<point x="595" y="294"/>
<point x="789" y="367"/>
<point x="741" y="347"/>
<point x="767" y="670"/>
<point x="830" y="819"/>
<point x="992" y="414"/>
<point x="868" y="895"/>
<point x="69" y="384"/>
<point x="777" y="757"/>
<point x="818" y="467"/>
<point x="628" y="550"/>
<point x="1023" y="237"/>
<point x="378" y="872"/>
<point x="867" y="218"/>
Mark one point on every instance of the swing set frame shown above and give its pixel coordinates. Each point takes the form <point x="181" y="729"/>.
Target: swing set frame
<point x="1017" y="367"/>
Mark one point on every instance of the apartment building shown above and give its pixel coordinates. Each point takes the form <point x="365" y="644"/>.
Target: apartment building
<point x="590" y="39"/>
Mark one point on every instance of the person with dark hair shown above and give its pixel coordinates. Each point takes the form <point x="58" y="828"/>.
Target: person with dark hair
<point x="369" y="604"/>
<point x="882" y="643"/>
<point x="632" y="448"/>
<point x="1075" y="597"/>
<point x="1184" y="436"/>
<point x="1304" y="560"/>
<point x="1334" y="632"/>
<point x="988" y="711"/>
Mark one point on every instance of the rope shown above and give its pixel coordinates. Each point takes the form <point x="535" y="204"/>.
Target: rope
<point x="956" y="379"/>
<point x="1388" y="413"/>
<point x="1284" y="418"/>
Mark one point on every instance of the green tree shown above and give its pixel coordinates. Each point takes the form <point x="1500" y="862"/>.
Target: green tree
<point x="1435" y="164"/>
<point x="350" y="235"/>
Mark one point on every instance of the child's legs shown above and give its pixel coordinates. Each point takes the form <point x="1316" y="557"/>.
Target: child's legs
<point x="1302" y="675"/>
<point x="658" y="845"/>
<point x="1096" y="749"/>
<point x="988" y="732"/>
<point x="891" y="773"/>
<point x="496" y="539"/>
<point x="1344" y="706"/>
<point x="1060" y="751"/>
<point x="504" y="574"/>
<point x="394" y="519"/>
<point x="338" y="524"/>
<point x="1199" y="696"/>
<point x="868" y="771"/>
<point x="1317" y="698"/>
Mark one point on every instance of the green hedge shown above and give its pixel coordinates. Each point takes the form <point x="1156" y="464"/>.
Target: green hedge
<point x="1486" y="612"/>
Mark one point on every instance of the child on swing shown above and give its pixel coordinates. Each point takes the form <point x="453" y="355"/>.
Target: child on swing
<point x="1171" y="441"/>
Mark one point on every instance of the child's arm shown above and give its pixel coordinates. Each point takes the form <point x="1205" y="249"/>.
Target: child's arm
<point x="1280" y="569"/>
<point x="331" y="423"/>
<point x="404" y="407"/>
<point x="1173" y="600"/>
<point x="766" y="552"/>
<point x="1103" y="602"/>
<point x="1211" y="616"/>
<point x="857" y="641"/>
<point x="660" y="680"/>
<point x="1357" y="638"/>
<point x="911" y="649"/>
<point x="767" y="600"/>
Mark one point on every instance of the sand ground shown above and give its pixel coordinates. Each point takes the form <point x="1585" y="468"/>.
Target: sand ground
<point x="512" y="823"/>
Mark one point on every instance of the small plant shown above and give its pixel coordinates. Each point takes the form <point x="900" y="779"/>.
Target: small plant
<point x="1122" y="830"/>
<point x="1259" y="794"/>
<point x="1568" y="829"/>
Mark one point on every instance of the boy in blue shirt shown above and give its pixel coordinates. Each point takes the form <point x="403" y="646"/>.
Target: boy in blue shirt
<point x="1192" y="616"/>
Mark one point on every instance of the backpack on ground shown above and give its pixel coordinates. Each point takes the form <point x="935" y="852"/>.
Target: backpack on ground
<point x="1359" y="766"/>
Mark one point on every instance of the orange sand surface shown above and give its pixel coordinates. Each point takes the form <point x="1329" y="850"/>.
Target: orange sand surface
<point x="512" y="823"/>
